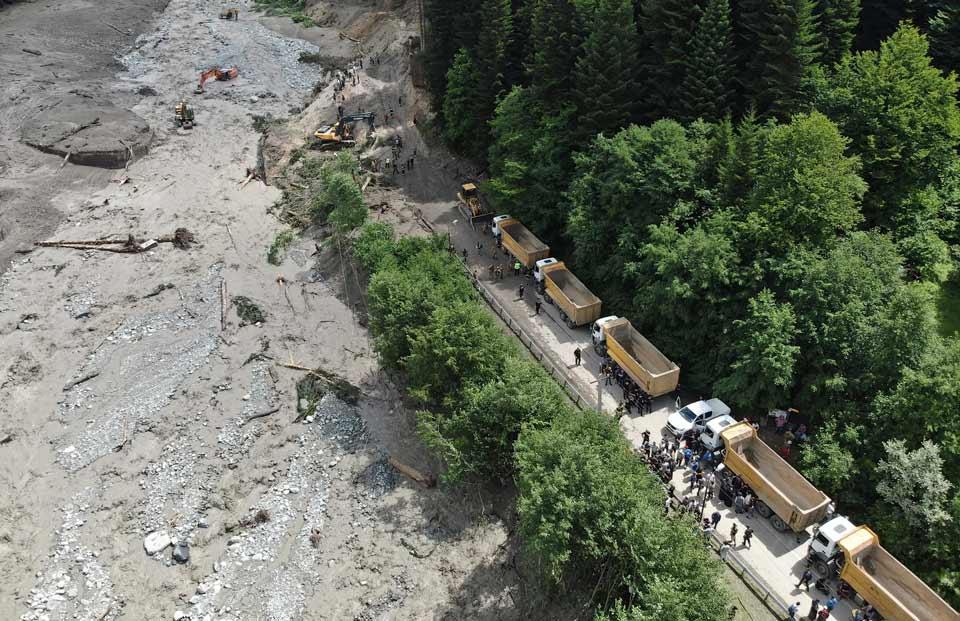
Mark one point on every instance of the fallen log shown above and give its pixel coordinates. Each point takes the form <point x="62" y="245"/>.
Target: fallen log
<point x="30" y="51"/>
<point x="426" y="481"/>
<point x="261" y="415"/>
<point x="77" y="382"/>
<point x="347" y="37"/>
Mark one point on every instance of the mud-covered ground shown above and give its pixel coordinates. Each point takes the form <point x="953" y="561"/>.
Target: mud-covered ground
<point x="135" y="413"/>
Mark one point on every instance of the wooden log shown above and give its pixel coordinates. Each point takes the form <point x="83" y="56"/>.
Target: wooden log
<point x="426" y="481"/>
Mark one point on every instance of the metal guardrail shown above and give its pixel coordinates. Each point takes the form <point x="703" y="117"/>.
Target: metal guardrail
<point x="754" y="581"/>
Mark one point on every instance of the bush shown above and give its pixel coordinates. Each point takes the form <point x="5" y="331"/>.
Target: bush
<point x="591" y="513"/>
<point x="279" y="246"/>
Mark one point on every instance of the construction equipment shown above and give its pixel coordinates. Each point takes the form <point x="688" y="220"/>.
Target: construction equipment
<point x="221" y="75"/>
<point x="183" y="115"/>
<point x="471" y="203"/>
<point x="519" y="242"/>
<point x="637" y="356"/>
<point x="340" y="134"/>
<point x="232" y="13"/>
<point x="578" y="306"/>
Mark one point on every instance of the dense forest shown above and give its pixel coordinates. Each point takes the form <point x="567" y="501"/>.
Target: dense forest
<point x="769" y="189"/>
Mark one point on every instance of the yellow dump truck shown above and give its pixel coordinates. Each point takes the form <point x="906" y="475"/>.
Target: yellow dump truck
<point x="519" y="242"/>
<point x="855" y="552"/>
<point x="577" y="305"/>
<point x="783" y="495"/>
<point x="650" y="369"/>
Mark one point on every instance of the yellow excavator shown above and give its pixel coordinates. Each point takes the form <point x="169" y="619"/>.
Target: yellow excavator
<point x="183" y="115"/>
<point x="340" y="133"/>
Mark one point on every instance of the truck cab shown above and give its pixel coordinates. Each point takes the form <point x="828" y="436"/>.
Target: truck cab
<point x="596" y="333"/>
<point x="495" y="228"/>
<point x="710" y="437"/>
<point x="537" y="271"/>
<point x="824" y="547"/>
<point x="696" y="415"/>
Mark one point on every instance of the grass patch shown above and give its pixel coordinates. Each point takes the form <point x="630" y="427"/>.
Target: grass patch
<point x="262" y="123"/>
<point x="289" y="8"/>
<point x="312" y="58"/>
<point x="948" y="306"/>
<point x="248" y="311"/>
<point x="278" y="249"/>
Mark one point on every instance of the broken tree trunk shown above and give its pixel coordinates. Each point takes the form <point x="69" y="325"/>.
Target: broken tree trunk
<point x="416" y="475"/>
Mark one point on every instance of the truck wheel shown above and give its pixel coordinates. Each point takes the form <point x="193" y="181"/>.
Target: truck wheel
<point x="763" y="510"/>
<point x="548" y="299"/>
<point x="822" y="569"/>
<point x="778" y="523"/>
<point x="570" y="323"/>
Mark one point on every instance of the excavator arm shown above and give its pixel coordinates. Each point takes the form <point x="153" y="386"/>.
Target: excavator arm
<point x="220" y="74"/>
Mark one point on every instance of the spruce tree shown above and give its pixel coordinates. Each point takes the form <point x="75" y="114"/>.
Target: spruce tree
<point x="945" y="38"/>
<point x="838" y="24"/>
<point x="450" y="25"/>
<point x="666" y="28"/>
<point x="604" y="75"/>
<point x="491" y="55"/>
<point x="707" y="90"/>
<point x="556" y="33"/>
<point x="786" y="46"/>
<point x="462" y="126"/>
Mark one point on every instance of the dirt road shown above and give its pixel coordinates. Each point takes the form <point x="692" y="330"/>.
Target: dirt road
<point x="132" y="418"/>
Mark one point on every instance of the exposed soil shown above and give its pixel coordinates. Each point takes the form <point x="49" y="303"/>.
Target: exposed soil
<point x="143" y="412"/>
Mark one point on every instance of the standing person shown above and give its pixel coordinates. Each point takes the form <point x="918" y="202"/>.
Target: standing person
<point x="747" y="536"/>
<point x="733" y="533"/>
<point x="724" y="550"/>
<point x="739" y="503"/>
<point x="814" y="609"/>
<point x="537" y="304"/>
<point x="521" y="291"/>
<point x="832" y="603"/>
<point x="666" y="506"/>
<point x="479" y="247"/>
<point x="823" y="615"/>
<point x="576" y="357"/>
<point x="516" y="268"/>
<point x="715" y="518"/>
<point x="805" y="579"/>
<point x="792" y="610"/>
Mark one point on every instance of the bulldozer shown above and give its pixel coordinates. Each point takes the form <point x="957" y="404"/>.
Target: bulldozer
<point x="232" y="13"/>
<point x="339" y="134"/>
<point x="221" y="75"/>
<point x="183" y="115"/>
<point x="472" y="203"/>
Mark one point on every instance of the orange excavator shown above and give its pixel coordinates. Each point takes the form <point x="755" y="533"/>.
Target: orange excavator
<point x="222" y="75"/>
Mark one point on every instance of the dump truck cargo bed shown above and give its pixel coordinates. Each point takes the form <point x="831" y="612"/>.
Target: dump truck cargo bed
<point x="883" y="581"/>
<point x="521" y="243"/>
<point x="643" y="362"/>
<point x="579" y="305"/>
<point x="776" y="483"/>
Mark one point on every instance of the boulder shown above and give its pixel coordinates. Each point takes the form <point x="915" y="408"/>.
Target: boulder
<point x="157" y="541"/>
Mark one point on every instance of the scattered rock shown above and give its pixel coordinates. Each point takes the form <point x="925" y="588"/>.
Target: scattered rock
<point x="147" y="91"/>
<point x="156" y="541"/>
<point x="181" y="552"/>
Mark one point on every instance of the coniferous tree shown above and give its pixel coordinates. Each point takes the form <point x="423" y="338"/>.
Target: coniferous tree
<point x="945" y="38"/>
<point x="666" y="28"/>
<point x="838" y="25"/>
<point x="707" y="90"/>
<point x="555" y="36"/>
<point x="450" y="25"/>
<point x="604" y="74"/>
<point x="787" y="45"/>
<point x="491" y="58"/>
<point x="462" y="127"/>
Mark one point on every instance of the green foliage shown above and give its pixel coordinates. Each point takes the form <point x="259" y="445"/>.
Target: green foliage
<point x="901" y="116"/>
<point x="913" y="485"/>
<point x="762" y="356"/>
<point x="458" y="344"/>
<point x="460" y="105"/>
<point x="450" y="26"/>
<point x="622" y="185"/>
<point x="707" y="90"/>
<point x="279" y="246"/>
<point x="806" y="189"/>
<point x="477" y="437"/>
<point x="838" y="25"/>
<point x="827" y="461"/>
<point x="248" y="311"/>
<point x="374" y="246"/>
<point x="339" y="200"/>
<point x="945" y="37"/>
<point x="591" y="511"/>
<point x="605" y="69"/>
<point x="667" y="47"/>
<point x="555" y="36"/>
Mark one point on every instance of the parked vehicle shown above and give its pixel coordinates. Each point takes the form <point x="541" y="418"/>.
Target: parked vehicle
<point x="694" y="416"/>
<point x="784" y="496"/>
<point x="578" y="306"/>
<point x="519" y="242"/>
<point x="854" y="552"/>
<point x="639" y="359"/>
